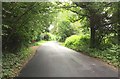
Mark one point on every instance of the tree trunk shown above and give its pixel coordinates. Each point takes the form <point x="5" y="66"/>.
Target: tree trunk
<point x="92" y="34"/>
<point x="119" y="34"/>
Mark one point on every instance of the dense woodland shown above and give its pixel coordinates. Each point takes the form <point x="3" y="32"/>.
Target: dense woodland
<point x="89" y="27"/>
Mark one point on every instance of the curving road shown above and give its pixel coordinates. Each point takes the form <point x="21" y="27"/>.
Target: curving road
<point x="53" y="60"/>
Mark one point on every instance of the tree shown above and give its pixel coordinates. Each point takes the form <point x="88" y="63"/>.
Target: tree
<point x="62" y="25"/>
<point x="23" y="22"/>
<point x="99" y="16"/>
<point x="65" y="30"/>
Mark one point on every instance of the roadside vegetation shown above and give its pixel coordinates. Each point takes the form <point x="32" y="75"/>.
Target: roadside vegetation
<point x="13" y="63"/>
<point x="107" y="52"/>
<point x="87" y="27"/>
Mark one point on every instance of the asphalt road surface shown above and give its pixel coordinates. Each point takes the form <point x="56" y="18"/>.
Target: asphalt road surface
<point x="53" y="60"/>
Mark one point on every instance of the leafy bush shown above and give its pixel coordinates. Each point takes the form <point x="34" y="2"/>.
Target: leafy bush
<point x="106" y="43"/>
<point x="109" y="55"/>
<point x="76" y="42"/>
<point x="51" y="37"/>
<point x="72" y="41"/>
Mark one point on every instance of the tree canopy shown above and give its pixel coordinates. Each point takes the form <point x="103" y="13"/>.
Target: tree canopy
<point x="92" y="28"/>
<point x="22" y="22"/>
<point x="27" y="21"/>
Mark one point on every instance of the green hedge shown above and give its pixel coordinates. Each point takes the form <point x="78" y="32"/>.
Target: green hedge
<point x="76" y="42"/>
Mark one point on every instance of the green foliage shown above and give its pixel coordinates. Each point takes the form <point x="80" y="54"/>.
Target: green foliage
<point x="39" y="42"/>
<point x="63" y="27"/>
<point x="72" y="42"/>
<point x="76" y="42"/>
<point x="105" y="25"/>
<point x="23" y="22"/>
<point x="109" y="55"/>
<point x="52" y="37"/>
<point x="13" y="62"/>
<point x="64" y="30"/>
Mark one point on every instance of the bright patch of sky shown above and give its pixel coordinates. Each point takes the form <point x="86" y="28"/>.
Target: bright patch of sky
<point x="63" y="0"/>
<point x="51" y="27"/>
<point x="68" y="1"/>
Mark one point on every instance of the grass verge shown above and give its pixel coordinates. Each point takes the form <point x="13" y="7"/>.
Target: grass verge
<point x="62" y="43"/>
<point x="40" y="43"/>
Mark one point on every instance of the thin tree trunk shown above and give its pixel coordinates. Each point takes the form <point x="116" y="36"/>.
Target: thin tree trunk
<point x="119" y="34"/>
<point x="92" y="34"/>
